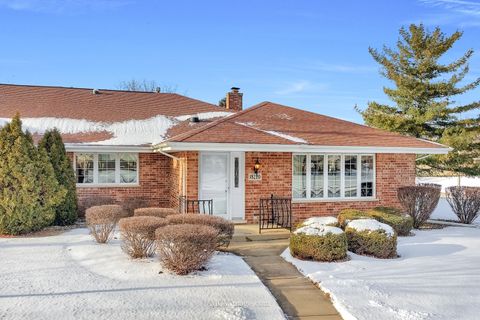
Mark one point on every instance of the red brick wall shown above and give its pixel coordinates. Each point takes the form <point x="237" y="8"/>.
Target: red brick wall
<point x="392" y="171"/>
<point x="160" y="182"/>
<point x="155" y="183"/>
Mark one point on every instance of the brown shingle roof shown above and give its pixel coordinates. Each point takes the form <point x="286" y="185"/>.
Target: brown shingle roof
<point x="107" y="105"/>
<point x="299" y="126"/>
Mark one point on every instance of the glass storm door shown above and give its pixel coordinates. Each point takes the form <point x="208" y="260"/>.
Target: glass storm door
<point x="214" y="181"/>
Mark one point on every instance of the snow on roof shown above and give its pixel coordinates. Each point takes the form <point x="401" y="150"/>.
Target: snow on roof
<point x="205" y="115"/>
<point x="320" y="221"/>
<point x="370" y="225"/>
<point x="251" y="124"/>
<point x="131" y="132"/>
<point x="318" y="230"/>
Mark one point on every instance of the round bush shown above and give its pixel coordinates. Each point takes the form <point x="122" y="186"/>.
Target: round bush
<point x="372" y="238"/>
<point x="320" y="221"/>
<point x="224" y="227"/>
<point x="184" y="248"/>
<point x="319" y="243"/>
<point x="465" y="202"/>
<point x="419" y="201"/>
<point x="401" y="223"/>
<point x="101" y="220"/>
<point x="138" y="235"/>
<point x="347" y="215"/>
<point x="154" y="212"/>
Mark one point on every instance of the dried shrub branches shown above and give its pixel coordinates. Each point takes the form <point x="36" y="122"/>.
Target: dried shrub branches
<point x="101" y="220"/>
<point x="138" y="235"/>
<point x="185" y="248"/>
<point x="465" y="202"/>
<point x="224" y="227"/>
<point x="154" y="212"/>
<point x="419" y="201"/>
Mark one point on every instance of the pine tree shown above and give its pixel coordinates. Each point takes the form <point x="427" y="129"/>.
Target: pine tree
<point x="52" y="144"/>
<point x="423" y="96"/>
<point x="29" y="190"/>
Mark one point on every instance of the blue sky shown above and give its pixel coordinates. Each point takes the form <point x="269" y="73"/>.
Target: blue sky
<point x="308" y="54"/>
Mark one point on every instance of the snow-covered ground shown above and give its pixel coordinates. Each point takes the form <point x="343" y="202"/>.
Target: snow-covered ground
<point x="68" y="276"/>
<point x="436" y="277"/>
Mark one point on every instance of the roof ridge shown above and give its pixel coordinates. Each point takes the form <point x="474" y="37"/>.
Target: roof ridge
<point x="85" y="88"/>
<point x="191" y="133"/>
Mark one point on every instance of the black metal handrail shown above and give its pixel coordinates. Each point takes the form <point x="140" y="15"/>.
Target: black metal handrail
<point x="200" y="206"/>
<point x="275" y="213"/>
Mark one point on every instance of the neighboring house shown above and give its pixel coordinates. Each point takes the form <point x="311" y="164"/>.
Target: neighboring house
<point x="160" y="146"/>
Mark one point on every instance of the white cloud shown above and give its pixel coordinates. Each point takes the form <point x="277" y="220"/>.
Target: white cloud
<point x="294" y="87"/>
<point x="460" y="12"/>
<point x="62" y="6"/>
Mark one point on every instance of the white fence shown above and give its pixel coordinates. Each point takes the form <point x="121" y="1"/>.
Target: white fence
<point x="443" y="210"/>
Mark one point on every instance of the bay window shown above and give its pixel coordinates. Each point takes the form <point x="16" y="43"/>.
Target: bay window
<point x="106" y="168"/>
<point x="331" y="176"/>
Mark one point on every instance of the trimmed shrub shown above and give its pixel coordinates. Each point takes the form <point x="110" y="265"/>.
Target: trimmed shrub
<point x="401" y="223"/>
<point x="154" y="212"/>
<point x="224" y="227"/>
<point x="185" y="248"/>
<point x="130" y="204"/>
<point x="101" y="220"/>
<point x="465" y="202"/>
<point x="95" y="201"/>
<point x="320" y="221"/>
<point x="419" y="201"/>
<point x="29" y="190"/>
<point x="319" y="243"/>
<point x="372" y="238"/>
<point x="138" y="235"/>
<point x="347" y="215"/>
<point x="65" y="211"/>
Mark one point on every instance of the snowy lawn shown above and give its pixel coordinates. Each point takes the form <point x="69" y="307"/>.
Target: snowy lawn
<point x="436" y="277"/>
<point x="68" y="276"/>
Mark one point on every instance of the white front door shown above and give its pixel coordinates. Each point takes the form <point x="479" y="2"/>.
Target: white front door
<point x="222" y="178"/>
<point x="214" y="181"/>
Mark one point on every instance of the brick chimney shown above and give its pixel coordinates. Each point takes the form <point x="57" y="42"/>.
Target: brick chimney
<point x="234" y="100"/>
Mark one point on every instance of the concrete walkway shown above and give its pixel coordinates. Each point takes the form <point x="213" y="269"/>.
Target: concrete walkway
<point x="297" y="296"/>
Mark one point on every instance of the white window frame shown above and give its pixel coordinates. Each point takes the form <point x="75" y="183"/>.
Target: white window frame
<point x="342" y="197"/>
<point x="117" y="182"/>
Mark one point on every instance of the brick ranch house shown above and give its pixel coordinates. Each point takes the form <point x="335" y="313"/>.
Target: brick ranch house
<point x="160" y="146"/>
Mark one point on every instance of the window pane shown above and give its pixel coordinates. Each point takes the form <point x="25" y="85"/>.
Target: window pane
<point x="334" y="170"/>
<point x="316" y="176"/>
<point x="84" y="168"/>
<point x="350" y="176"/>
<point x="367" y="176"/>
<point x="106" y="168"/>
<point x="299" y="176"/>
<point x="236" y="172"/>
<point x="128" y="168"/>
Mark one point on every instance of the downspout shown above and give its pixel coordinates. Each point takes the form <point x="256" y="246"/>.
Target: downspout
<point x="183" y="173"/>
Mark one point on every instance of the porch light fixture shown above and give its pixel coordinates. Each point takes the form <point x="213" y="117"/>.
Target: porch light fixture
<point x="257" y="166"/>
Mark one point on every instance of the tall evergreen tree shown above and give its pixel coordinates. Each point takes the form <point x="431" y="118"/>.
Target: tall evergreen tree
<point x="29" y="190"/>
<point x="423" y="97"/>
<point x="52" y="144"/>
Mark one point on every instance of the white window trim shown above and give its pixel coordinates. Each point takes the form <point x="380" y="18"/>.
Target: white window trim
<point x="95" y="183"/>
<point x="342" y="197"/>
